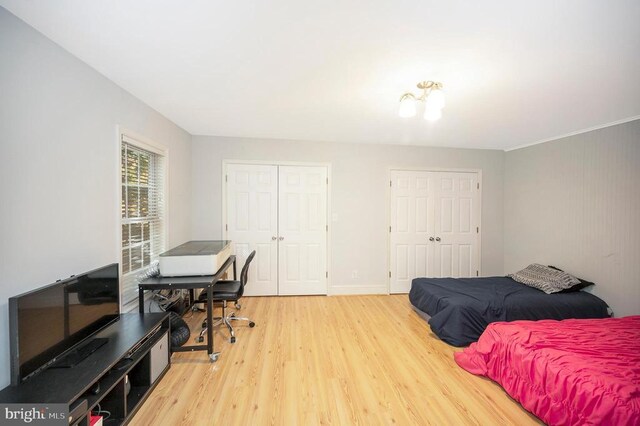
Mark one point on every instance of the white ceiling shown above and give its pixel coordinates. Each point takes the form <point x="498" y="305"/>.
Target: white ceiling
<point x="514" y="72"/>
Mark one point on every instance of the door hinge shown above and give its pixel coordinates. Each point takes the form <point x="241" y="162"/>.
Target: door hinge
<point x="477" y="229"/>
<point x="327" y="181"/>
<point x="390" y="183"/>
<point x="226" y="178"/>
<point x="327" y="227"/>
<point x="226" y="227"/>
<point x="326" y="274"/>
<point x="389" y="229"/>
<point x="477" y="274"/>
<point x="478" y="185"/>
<point x="389" y="274"/>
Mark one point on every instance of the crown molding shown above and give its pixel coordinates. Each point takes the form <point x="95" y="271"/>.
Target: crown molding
<point x="577" y="132"/>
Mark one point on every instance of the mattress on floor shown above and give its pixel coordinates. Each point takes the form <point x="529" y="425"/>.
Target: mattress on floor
<point x="461" y="308"/>
<point x="571" y="372"/>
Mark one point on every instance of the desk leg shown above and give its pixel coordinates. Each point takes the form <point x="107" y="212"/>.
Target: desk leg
<point x="212" y="355"/>
<point x="140" y="300"/>
<point x="235" y="275"/>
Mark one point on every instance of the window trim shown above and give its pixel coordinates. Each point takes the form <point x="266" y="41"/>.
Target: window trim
<point x="142" y="142"/>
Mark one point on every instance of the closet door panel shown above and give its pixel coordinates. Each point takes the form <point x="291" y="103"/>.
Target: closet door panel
<point x="252" y="223"/>
<point x="303" y="230"/>
<point x="457" y="222"/>
<point x="412" y="215"/>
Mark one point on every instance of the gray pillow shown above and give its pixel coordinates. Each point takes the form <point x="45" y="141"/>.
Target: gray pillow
<point x="544" y="278"/>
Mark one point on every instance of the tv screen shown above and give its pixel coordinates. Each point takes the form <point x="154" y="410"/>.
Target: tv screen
<point x="47" y="322"/>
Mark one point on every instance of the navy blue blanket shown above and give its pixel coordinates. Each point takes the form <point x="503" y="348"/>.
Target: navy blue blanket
<point x="461" y="308"/>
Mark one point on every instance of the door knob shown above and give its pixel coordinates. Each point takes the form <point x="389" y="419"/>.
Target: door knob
<point x="281" y="238"/>
<point x="430" y="238"/>
<point x="437" y="238"/>
<point x="273" y="238"/>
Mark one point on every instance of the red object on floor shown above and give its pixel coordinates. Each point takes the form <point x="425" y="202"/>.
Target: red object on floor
<point x="571" y="372"/>
<point x="95" y="421"/>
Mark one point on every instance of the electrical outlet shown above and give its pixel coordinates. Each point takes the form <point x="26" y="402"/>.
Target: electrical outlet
<point x="354" y="274"/>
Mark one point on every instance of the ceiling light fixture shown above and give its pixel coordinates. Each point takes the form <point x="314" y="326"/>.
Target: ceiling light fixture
<point x="433" y="97"/>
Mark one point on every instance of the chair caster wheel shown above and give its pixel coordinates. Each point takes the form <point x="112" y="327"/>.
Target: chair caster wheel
<point x="238" y="306"/>
<point x="200" y="339"/>
<point x="232" y="314"/>
<point x="252" y="324"/>
<point x="232" y="339"/>
<point x="214" y="357"/>
<point x="204" y="324"/>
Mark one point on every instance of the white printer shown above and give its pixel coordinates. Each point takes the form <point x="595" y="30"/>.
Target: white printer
<point x="195" y="258"/>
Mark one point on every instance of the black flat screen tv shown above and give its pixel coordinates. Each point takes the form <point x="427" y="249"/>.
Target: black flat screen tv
<point x="49" y="322"/>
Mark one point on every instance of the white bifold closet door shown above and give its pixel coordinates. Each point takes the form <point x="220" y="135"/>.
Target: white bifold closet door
<point x="281" y="212"/>
<point x="434" y="232"/>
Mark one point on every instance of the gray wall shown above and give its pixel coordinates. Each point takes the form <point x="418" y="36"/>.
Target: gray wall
<point x="575" y="203"/>
<point x="59" y="174"/>
<point x="360" y="178"/>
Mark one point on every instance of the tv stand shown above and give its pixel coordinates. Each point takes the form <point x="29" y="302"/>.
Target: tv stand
<point x="78" y="355"/>
<point x="118" y="386"/>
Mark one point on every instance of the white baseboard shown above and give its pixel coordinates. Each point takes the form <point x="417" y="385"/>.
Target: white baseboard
<point x="344" y="290"/>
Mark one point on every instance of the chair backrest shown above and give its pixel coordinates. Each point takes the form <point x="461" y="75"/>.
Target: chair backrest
<point x="245" y="271"/>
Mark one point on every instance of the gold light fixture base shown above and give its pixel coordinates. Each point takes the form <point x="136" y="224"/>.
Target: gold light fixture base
<point x="429" y="85"/>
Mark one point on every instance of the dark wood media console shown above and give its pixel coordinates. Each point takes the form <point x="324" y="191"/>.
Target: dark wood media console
<point x="135" y="358"/>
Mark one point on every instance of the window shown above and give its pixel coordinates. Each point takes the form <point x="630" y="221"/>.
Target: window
<point x="142" y="213"/>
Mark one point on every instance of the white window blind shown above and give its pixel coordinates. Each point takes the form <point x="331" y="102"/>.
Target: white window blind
<point x="142" y="214"/>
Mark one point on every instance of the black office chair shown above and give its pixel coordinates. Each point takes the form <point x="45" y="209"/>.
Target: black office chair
<point x="228" y="291"/>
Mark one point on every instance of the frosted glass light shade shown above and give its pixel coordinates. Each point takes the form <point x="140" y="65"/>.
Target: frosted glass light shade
<point x="435" y="99"/>
<point x="407" y="107"/>
<point x="432" y="114"/>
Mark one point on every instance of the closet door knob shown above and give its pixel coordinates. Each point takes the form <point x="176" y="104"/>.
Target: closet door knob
<point x="437" y="238"/>
<point x="273" y="238"/>
<point x="430" y="238"/>
<point x="281" y="238"/>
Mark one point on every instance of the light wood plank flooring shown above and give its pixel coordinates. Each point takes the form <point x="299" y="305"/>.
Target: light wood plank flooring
<point x="341" y="360"/>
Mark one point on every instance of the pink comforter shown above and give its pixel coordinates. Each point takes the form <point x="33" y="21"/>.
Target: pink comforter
<point x="571" y="372"/>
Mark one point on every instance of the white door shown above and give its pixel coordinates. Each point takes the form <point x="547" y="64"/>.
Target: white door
<point x="434" y="226"/>
<point x="302" y="230"/>
<point x="412" y="223"/>
<point x="252" y="223"/>
<point x="281" y="212"/>
<point x="457" y="199"/>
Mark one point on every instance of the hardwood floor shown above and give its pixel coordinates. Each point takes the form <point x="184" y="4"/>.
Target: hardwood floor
<point x="340" y="360"/>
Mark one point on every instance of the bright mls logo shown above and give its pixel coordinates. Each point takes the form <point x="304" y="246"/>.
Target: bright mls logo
<point x="34" y="414"/>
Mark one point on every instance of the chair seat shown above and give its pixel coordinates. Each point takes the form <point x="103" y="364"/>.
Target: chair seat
<point x="223" y="290"/>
